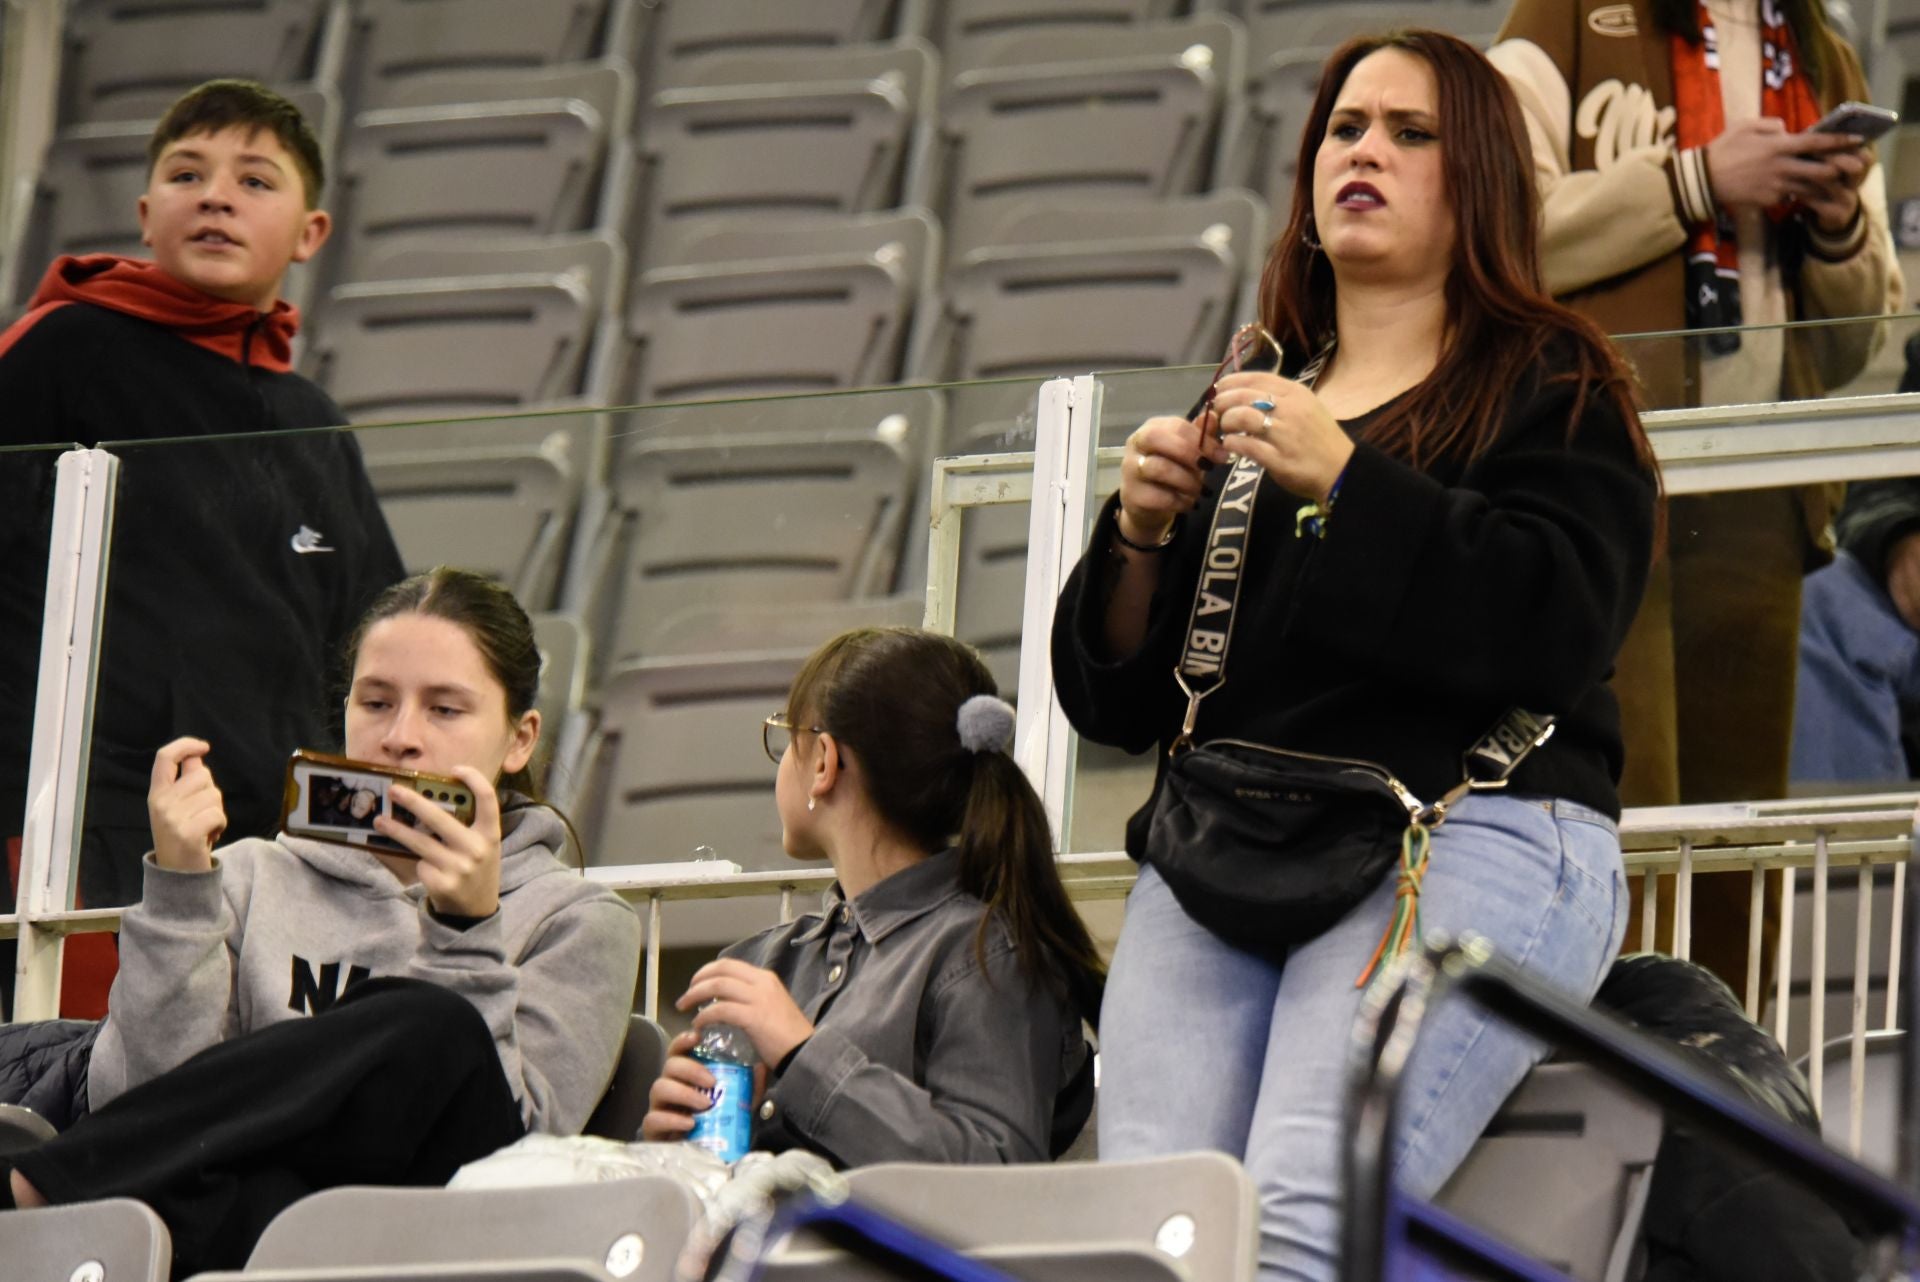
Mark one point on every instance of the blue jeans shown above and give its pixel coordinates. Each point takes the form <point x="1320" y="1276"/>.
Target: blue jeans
<point x="1207" y="1047"/>
<point x="1859" y="680"/>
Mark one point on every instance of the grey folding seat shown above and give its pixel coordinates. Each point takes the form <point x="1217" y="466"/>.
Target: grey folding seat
<point x="117" y="50"/>
<point x="478" y="327"/>
<point x="1028" y="1263"/>
<point x="1125" y="115"/>
<point x="1886" y="1049"/>
<point x="807" y="307"/>
<point x="1266" y="150"/>
<point x="118" y="1240"/>
<point x="492" y="157"/>
<point x="1063" y="290"/>
<point x="678" y="764"/>
<point x="628" y="1230"/>
<point x="964" y="30"/>
<point x="1563" y="1171"/>
<point x="763" y="503"/>
<point x="393" y="41"/>
<point x="766" y="137"/>
<point x="501" y="511"/>
<point x="678" y="34"/>
<point x="624" y="1106"/>
<point x="1193" y="1214"/>
<point x="1281" y="26"/>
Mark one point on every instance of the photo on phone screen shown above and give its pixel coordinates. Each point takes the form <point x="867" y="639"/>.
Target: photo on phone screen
<point x="330" y="798"/>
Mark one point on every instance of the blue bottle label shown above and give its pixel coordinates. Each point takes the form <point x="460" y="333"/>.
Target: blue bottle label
<point x="726" y="1129"/>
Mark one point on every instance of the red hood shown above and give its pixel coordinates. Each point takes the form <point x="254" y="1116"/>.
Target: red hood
<point x="139" y="288"/>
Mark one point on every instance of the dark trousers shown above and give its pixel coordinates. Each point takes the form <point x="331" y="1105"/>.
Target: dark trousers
<point x="398" y="1083"/>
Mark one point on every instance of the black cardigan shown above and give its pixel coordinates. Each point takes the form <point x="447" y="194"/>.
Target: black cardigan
<point x="1438" y="600"/>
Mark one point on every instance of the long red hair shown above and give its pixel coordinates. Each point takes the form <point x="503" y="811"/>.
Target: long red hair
<point x="1499" y="315"/>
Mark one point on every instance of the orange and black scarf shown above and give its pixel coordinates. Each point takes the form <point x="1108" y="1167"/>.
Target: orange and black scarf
<point x="1713" y="254"/>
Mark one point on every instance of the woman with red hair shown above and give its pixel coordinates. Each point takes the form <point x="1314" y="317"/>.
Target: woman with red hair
<point x="1456" y="514"/>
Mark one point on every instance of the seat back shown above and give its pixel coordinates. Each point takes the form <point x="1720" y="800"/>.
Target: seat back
<point x="624" y="1106"/>
<point x="1879" y="1101"/>
<point x="1276" y="26"/>
<point x="804" y="135"/>
<point x="394" y="41"/>
<point x="629" y="1230"/>
<point x="1196" y="1210"/>
<point x="682" y="34"/>
<point x="779" y="309"/>
<point x="1126" y="115"/>
<point x="483" y="328"/>
<point x="966" y="31"/>
<point x="492" y="157"/>
<point x="764" y="504"/>
<point x="118" y="1240"/>
<point x="1563" y="1171"/>
<point x="120" y="57"/>
<point x="681" y="762"/>
<point x="1029" y="1264"/>
<point x="501" y="511"/>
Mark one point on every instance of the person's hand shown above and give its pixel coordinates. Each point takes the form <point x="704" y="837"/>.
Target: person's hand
<point x="184" y="807"/>
<point x="1756" y="163"/>
<point x="1834" y="205"/>
<point x="1903" y="577"/>
<point x="1298" y="442"/>
<point x="729" y="991"/>
<point x="459" y="865"/>
<point x="682" y="1090"/>
<point x="1160" y="475"/>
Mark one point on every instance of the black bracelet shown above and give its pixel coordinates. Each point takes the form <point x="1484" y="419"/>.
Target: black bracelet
<point x="1165" y="542"/>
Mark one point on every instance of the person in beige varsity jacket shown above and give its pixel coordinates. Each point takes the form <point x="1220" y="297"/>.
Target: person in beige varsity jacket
<point x="1678" y="192"/>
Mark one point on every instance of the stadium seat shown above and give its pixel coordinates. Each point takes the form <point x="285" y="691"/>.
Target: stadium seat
<point x="679" y="763"/>
<point x="1563" y="1171"/>
<point x="1880" y="1128"/>
<point x="1128" y="114"/>
<point x="966" y="30"/>
<point x="394" y="41"/>
<point x="621" y="1231"/>
<point x="121" y="57"/>
<point x="503" y="512"/>
<point x="1265" y="152"/>
<point x="792" y="308"/>
<point x="1280" y="26"/>
<point x="1195" y="1212"/>
<point x="624" y="1106"/>
<point x="22" y="1128"/>
<point x="1061" y="290"/>
<point x="475" y="327"/>
<point x="679" y="34"/>
<point x="118" y="1240"/>
<point x="492" y="157"/>
<point x="807" y="134"/>
<point x="755" y="502"/>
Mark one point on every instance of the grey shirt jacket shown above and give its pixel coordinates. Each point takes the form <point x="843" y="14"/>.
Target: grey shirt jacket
<point x="920" y="1052"/>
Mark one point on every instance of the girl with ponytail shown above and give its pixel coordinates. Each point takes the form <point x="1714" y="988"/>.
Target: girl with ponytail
<point x="932" y="1010"/>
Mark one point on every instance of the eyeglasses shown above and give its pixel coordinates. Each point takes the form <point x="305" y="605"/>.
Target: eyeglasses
<point x="1247" y="345"/>
<point x="776" y="732"/>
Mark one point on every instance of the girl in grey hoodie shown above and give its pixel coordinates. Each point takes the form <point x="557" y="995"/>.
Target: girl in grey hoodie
<point x="292" y="1015"/>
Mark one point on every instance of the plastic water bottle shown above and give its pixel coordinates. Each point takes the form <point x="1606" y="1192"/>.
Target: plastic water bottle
<point x="726" y="1129"/>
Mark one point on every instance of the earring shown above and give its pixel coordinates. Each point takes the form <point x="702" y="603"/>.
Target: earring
<point x="1307" y="237"/>
<point x="810" y="801"/>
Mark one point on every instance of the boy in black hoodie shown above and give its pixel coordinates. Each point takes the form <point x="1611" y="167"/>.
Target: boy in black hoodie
<point x="238" y="565"/>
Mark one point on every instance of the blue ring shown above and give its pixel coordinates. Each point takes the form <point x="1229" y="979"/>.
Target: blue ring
<point x="1264" y="406"/>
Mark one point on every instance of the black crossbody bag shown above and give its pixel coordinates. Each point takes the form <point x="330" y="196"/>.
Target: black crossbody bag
<point x="1265" y="847"/>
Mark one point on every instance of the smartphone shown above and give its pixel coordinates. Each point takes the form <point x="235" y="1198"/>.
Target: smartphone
<point x="1862" y="119"/>
<point x="336" y="799"/>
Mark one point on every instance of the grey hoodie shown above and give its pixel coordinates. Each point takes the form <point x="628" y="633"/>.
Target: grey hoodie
<point x="278" y="929"/>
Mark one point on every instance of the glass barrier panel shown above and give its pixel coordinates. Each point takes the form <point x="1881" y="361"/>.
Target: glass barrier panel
<point x="679" y="563"/>
<point x="1805" y="360"/>
<point x="26" y="523"/>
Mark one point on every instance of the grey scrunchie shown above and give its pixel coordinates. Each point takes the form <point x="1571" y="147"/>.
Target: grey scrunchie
<point x="985" y="723"/>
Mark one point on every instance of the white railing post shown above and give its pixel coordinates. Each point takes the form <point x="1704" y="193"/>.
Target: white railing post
<point x="1683" y="903"/>
<point x="1756" y="927"/>
<point x="1783" y="960"/>
<point x="84" y="484"/>
<point x="1857" y="1034"/>
<point x="1066" y="434"/>
<point x="1817" y="989"/>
